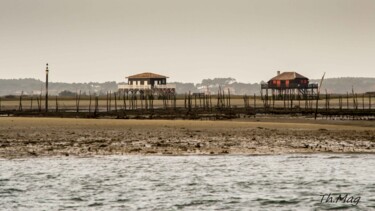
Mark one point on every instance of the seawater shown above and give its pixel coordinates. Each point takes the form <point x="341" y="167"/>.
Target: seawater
<point x="231" y="182"/>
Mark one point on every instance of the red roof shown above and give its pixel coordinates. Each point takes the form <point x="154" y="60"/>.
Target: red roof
<point x="288" y="76"/>
<point x="147" y="75"/>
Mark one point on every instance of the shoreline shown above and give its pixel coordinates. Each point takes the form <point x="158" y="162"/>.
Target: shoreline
<point x="22" y="137"/>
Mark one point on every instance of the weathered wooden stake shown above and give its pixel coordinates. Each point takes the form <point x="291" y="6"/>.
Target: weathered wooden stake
<point x="96" y="105"/>
<point x="369" y="102"/>
<point x="110" y="100"/>
<point x="229" y="99"/>
<point x="90" y="103"/>
<point x="57" y="105"/>
<point x="20" y="104"/>
<point x="78" y="99"/>
<point x="107" y="102"/>
<point x="347" y="100"/>
<point x="31" y="103"/>
<point x="38" y="101"/>
<point x="115" y="95"/>
<point x="255" y="102"/>
<point x="363" y="102"/>
<point x="47" y="71"/>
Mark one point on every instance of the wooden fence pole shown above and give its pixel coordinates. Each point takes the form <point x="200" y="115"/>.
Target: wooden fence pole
<point x="78" y="99"/>
<point x="31" y="103"/>
<point x="57" y="105"/>
<point x="20" y="104"/>
<point x="115" y="95"/>
<point x="347" y="100"/>
<point x="363" y="102"/>
<point x="369" y="102"/>
<point x="90" y="103"/>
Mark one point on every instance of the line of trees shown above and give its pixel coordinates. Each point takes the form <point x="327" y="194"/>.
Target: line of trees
<point x="31" y="86"/>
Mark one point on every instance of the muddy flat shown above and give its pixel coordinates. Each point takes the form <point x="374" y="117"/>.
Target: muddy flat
<point x="30" y="137"/>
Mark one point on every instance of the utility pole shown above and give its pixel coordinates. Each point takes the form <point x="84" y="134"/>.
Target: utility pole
<point x="47" y="88"/>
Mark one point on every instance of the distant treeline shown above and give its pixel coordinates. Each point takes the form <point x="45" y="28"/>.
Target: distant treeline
<point x="34" y="87"/>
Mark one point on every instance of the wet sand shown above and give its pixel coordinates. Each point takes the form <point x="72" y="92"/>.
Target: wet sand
<point x="31" y="137"/>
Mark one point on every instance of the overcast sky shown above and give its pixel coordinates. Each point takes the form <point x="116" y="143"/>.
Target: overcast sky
<point x="187" y="40"/>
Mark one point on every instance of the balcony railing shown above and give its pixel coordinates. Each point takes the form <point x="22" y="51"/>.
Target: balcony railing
<point x="158" y="86"/>
<point x="290" y="86"/>
<point x="128" y="86"/>
<point x="165" y="86"/>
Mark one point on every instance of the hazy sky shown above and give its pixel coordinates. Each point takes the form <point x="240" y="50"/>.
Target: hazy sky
<point x="187" y="40"/>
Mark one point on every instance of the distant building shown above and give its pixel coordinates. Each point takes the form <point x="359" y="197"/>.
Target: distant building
<point x="290" y="84"/>
<point x="147" y="82"/>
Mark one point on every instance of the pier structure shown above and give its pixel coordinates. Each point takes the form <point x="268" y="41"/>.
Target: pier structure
<point x="289" y="85"/>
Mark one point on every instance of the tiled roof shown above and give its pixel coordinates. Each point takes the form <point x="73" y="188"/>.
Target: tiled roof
<point x="288" y="76"/>
<point x="147" y="75"/>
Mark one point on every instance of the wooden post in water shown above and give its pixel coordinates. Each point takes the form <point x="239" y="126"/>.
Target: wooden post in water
<point x="354" y="99"/>
<point x="185" y="101"/>
<point x="229" y="98"/>
<point x="31" y="103"/>
<point x="210" y="97"/>
<point x="291" y="95"/>
<point x="189" y="101"/>
<point x="90" y="103"/>
<point x="110" y="100"/>
<point x="347" y="100"/>
<point x="326" y="101"/>
<point x="20" y="104"/>
<point x="107" y="102"/>
<point x="369" y="102"/>
<point x="284" y="93"/>
<point x="47" y="71"/>
<point x="363" y="102"/>
<point x="124" y="100"/>
<point x="78" y="99"/>
<point x="38" y="101"/>
<point x="115" y="95"/>
<point x="255" y="103"/>
<point x="195" y="101"/>
<point x="299" y="101"/>
<point x="57" y="105"/>
<point x="96" y="105"/>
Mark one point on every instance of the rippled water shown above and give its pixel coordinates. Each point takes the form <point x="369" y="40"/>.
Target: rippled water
<point x="281" y="182"/>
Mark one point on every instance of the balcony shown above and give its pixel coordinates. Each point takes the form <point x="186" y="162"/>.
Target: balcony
<point x="290" y="86"/>
<point x="144" y="87"/>
<point x="128" y="86"/>
<point x="165" y="86"/>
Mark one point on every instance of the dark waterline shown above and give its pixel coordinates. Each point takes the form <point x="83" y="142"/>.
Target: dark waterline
<point x="273" y="182"/>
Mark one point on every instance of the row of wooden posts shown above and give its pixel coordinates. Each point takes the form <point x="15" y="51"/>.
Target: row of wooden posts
<point x="344" y="101"/>
<point x="132" y="101"/>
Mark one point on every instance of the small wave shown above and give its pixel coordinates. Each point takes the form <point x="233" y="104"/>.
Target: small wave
<point x="122" y="200"/>
<point x="95" y="204"/>
<point x="77" y="199"/>
<point x="196" y="202"/>
<point x="12" y="190"/>
<point x="280" y="202"/>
